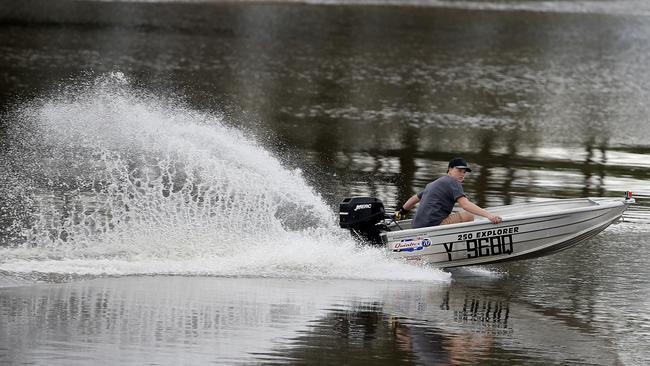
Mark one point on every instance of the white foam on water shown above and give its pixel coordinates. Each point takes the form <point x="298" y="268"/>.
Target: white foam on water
<point x="127" y="183"/>
<point x="486" y="272"/>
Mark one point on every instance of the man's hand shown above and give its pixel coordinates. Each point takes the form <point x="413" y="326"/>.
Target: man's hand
<point x="495" y="219"/>
<point x="400" y="214"/>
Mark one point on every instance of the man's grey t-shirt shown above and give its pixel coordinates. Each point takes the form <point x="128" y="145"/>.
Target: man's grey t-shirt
<point x="436" y="201"/>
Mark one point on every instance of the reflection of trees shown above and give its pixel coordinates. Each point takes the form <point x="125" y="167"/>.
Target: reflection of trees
<point x="483" y="180"/>
<point x="508" y="162"/>
<point x="594" y="128"/>
<point x="406" y="157"/>
<point x="593" y="168"/>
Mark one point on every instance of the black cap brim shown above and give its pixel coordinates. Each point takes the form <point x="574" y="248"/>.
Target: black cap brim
<point x="467" y="169"/>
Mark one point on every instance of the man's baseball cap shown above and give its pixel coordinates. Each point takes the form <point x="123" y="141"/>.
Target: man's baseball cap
<point x="459" y="163"/>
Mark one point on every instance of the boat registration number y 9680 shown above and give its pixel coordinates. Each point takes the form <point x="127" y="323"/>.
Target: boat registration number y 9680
<point x="486" y="243"/>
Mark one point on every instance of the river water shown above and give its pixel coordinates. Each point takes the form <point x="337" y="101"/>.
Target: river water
<point x="170" y="176"/>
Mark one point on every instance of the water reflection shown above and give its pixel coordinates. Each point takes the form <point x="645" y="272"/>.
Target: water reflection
<point x="235" y="320"/>
<point x="387" y="340"/>
<point x="226" y="320"/>
<point x="431" y="346"/>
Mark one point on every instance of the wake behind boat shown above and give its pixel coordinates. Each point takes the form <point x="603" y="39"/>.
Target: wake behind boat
<point x="528" y="230"/>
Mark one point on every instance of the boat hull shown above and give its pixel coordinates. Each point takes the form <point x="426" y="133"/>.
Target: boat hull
<point x="527" y="231"/>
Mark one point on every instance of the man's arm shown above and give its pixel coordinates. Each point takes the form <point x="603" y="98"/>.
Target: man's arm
<point x="411" y="202"/>
<point x="468" y="206"/>
<point x="400" y="213"/>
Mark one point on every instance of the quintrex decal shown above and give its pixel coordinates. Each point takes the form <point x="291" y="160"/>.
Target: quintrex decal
<point x="411" y="244"/>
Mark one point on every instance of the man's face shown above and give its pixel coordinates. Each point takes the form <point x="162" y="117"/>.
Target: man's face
<point x="457" y="173"/>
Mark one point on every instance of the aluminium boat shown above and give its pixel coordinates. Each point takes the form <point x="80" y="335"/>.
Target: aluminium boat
<point x="528" y="230"/>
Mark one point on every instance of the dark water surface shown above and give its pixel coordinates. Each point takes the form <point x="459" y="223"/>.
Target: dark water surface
<point x="170" y="175"/>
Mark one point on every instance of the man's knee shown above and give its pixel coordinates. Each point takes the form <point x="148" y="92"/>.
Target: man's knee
<point x="458" y="217"/>
<point x="466" y="216"/>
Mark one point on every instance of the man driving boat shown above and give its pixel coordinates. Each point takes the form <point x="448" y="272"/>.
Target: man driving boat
<point x="439" y="197"/>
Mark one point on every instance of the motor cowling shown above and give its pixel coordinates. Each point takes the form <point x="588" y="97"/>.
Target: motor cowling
<point x="357" y="212"/>
<point x="361" y="215"/>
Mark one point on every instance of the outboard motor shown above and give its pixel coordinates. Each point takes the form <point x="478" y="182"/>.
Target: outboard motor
<point x="362" y="215"/>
